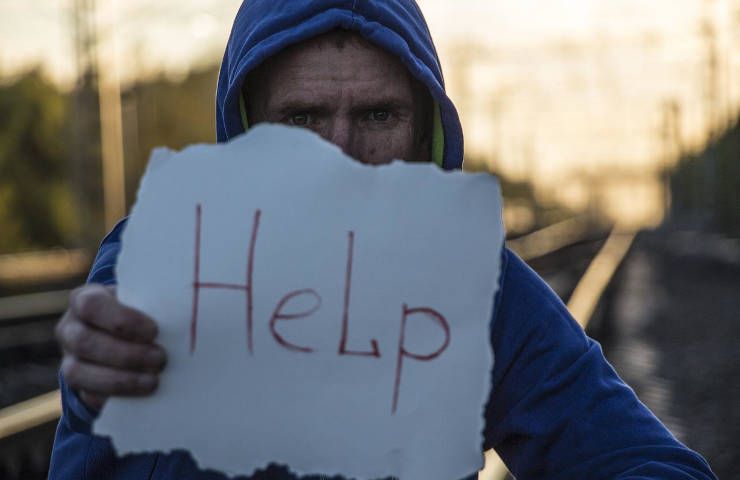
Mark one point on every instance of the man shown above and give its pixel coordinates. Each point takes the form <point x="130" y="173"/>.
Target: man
<point x="364" y="75"/>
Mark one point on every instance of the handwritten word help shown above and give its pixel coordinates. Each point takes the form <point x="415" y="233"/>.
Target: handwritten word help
<point x="282" y="312"/>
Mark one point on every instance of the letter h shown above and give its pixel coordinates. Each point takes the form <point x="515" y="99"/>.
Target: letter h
<point x="198" y="284"/>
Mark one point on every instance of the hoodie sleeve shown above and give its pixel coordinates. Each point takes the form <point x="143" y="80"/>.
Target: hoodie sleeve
<point x="72" y="439"/>
<point x="74" y="412"/>
<point x="557" y="409"/>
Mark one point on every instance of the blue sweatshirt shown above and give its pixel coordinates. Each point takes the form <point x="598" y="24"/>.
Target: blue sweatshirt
<point x="556" y="410"/>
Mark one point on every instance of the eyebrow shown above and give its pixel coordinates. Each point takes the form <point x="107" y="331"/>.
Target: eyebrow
<point x="288" y="105"/>
<point x="298" y="105"/>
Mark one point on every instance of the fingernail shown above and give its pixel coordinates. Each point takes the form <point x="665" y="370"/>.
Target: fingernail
<point x="157" y="357"/>
<point x="148" y="382"/>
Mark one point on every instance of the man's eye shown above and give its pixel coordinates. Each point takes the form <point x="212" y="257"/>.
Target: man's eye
<point x="379" y="115"/>
<point x="299" y="119"/>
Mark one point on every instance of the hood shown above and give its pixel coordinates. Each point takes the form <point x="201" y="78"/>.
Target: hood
<point x="264" y="27"/>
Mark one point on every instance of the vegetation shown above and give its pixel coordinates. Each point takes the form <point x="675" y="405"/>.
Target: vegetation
<point x="50" y="183"/>
<point x="705" y="186"/>
<point x="36" y="203"/>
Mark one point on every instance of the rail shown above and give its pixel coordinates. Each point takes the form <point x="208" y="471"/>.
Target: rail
<point x="30" y="413"/>
<point x="44" y="266"/>
<point x="552" y="238"/>
<point x="32" y="305"/>
<point x="598" y="275"/>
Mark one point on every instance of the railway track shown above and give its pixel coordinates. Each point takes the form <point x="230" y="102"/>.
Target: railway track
<point x="575" y="261"/>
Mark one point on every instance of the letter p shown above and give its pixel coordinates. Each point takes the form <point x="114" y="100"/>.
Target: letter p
<point x="423" y="357"/>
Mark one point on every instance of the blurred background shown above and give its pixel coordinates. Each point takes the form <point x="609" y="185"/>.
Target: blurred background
<point x="613" y="126"/>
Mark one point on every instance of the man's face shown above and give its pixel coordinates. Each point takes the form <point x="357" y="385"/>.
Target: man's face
<point x="350" y="92"/>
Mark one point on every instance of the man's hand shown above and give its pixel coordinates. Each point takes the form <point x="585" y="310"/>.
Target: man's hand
<point x="108" y="348"/>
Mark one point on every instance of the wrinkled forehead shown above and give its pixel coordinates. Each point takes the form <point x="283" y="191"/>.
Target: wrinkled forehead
<point x="321" y="52"/>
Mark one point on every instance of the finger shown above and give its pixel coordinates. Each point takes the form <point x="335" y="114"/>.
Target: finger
<point x="106" y="381"/>
<point x="60" y="326"/>
<point x="98" y="306"/>
<point x="99" y="347"/>
<point x="92" y="400"/>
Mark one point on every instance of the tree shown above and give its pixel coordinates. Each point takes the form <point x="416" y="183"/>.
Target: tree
<point x="36" y="202"/>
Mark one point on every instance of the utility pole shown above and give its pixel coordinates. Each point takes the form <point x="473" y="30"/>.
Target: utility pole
<point x="111" y="129"/>
<point x="711" y="103"/>
<point x="84" y="123"/>
<point x="732" y="48"/>
<point x="495" y="114"/>
<point x="708" y="32"/>
<point x="672" y="146"/>
<point x="462" y="62"/>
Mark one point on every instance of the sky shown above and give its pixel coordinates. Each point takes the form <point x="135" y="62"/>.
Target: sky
<point x="164" y="35"/>
<point x="173" y="34"/>
<point x="553" y="91"/>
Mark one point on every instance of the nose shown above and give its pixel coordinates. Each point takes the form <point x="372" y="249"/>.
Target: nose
<point x="341" y="134"/>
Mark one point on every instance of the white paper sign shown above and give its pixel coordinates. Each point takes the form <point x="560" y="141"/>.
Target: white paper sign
<point x="317" y="312"/>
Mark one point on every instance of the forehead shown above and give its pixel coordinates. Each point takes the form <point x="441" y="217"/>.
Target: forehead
<point x="336" y="48"/>
<point x="338" y="59"/>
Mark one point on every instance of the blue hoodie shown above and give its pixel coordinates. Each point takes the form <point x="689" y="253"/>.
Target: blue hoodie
<point x="557" y="409"/>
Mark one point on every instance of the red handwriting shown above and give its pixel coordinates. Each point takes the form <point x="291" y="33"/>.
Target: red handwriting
<point x="196" y="280"/>
<point x="345" y="311"/>
<point x="246" y="288"/>
<point x="279" y="314"/>
<point x="402" y="352"/>
<point x="276" y="315"/>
